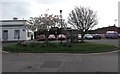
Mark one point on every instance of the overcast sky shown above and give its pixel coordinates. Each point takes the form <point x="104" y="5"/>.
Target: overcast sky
<point x="107" y="10"/>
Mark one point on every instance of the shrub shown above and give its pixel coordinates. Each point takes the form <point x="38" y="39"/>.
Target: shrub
<point x="45" y="44"/>
<point x="49" y="44"/>
<point x="23" y="44"/>
<point x="32" y="44"/>
<point x="65" y="44"/>
<point x="82" y="42"/>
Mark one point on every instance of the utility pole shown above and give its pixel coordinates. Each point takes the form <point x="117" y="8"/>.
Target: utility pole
<point x="61" y="17"/>
<point x="115" y="21"/>
<point x="61" y="22"/>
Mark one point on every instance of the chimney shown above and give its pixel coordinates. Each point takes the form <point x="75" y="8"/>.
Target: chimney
<point x="15" y="18"/>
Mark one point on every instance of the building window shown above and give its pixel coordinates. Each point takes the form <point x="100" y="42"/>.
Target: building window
<point x="5" y="30"/>
<point x="17" y="34"/>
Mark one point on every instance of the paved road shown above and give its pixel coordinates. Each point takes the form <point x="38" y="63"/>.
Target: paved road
<point x="51" y="62"/>
<point x="115" y="42"/>
<point x="41" y="62"/>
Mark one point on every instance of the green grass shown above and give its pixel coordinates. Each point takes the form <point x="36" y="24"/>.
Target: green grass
<point x="52" y="47"/>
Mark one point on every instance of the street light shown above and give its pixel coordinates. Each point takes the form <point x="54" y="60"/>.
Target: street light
<point x="61" y="22"/>
<point x="115" y="21"/>
<point x="61" y="17"/>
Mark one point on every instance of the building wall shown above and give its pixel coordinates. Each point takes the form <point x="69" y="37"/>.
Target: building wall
<point x="11" y="33"/>
<point x="119" y="15"/>
<point x="12" y="25"/>
<point x="0" y="38"/>
<point x="23" y="34"/>
<point x="13" y="22"/>
<point x="0" y="33"/>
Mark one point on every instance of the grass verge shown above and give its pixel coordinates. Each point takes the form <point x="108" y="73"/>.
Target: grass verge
<point x="64" y="47"/>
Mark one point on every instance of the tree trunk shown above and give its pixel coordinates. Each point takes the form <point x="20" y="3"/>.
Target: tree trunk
<point x="46" y="36"/>
<point x="82" y="37"/>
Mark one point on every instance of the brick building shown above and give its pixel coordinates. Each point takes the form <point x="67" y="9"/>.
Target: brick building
<point x="104" y="30"/>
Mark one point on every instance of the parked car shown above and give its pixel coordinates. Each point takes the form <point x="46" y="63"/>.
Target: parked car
<point x="61" y="37"/>
<point x="88" y="36"/>
<point x="51" y="37"/>
<point x="41" y="37"/>
<point x="96" y="36"/>
<point x="119" y="35"/>
<point x="111" y="34"/>
<point x="79" y="36"/>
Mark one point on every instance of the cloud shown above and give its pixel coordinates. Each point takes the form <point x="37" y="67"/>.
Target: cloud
<point x="106" y="10"/>
<point x="18" y="9"/>
<point x="50" y="1"/>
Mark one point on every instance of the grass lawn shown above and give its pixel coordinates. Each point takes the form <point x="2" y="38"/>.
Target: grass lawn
<point x="52" y="47"/>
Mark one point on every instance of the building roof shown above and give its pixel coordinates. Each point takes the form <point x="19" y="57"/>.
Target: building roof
<point x="12" y="20"/>
<point x="5" y="23"/>
<point x="105" y="27"/>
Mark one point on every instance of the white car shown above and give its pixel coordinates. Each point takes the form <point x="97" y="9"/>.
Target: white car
<point x="61" y="37"/>
<point x="51" y="37"/>
<point x="88" y="36"/>
<point x="79" y="36"/>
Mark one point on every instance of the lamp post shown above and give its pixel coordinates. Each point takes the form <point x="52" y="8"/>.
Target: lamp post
<point x="115" y="21"/>
<point x="61" y="23"/>
<point x="61" y="17"/>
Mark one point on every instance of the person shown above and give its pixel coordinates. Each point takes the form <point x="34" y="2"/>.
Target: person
<point x="31" y="36"/>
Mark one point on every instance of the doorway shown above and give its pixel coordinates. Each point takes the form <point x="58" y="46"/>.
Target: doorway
<point x="5" y="35"/>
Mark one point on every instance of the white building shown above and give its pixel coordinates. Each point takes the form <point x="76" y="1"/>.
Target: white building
<point x="0" y="38"/>
<point x="14" y="30"/>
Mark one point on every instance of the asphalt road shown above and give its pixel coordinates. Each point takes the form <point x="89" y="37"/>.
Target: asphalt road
<point x="57" y="62"/>
<point x="115" y="42"/>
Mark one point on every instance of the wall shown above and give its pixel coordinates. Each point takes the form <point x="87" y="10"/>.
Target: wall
<point x="12" y="25"/>
<point x="119" y="22"/>
<point x="11" y="33"/>
<point x="0" y="38"/>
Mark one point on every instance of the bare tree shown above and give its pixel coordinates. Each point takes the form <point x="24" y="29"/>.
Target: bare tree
<point x="42" y="23"/>
<point x="57" y="22"/>
<point x="83" y="19"/>
<point x="30" y="26"/>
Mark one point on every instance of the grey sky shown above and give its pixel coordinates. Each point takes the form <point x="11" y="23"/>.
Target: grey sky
<point x="107" y="10"/>
<point x="50" y="1"/>
<point x="13" y="9"/>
